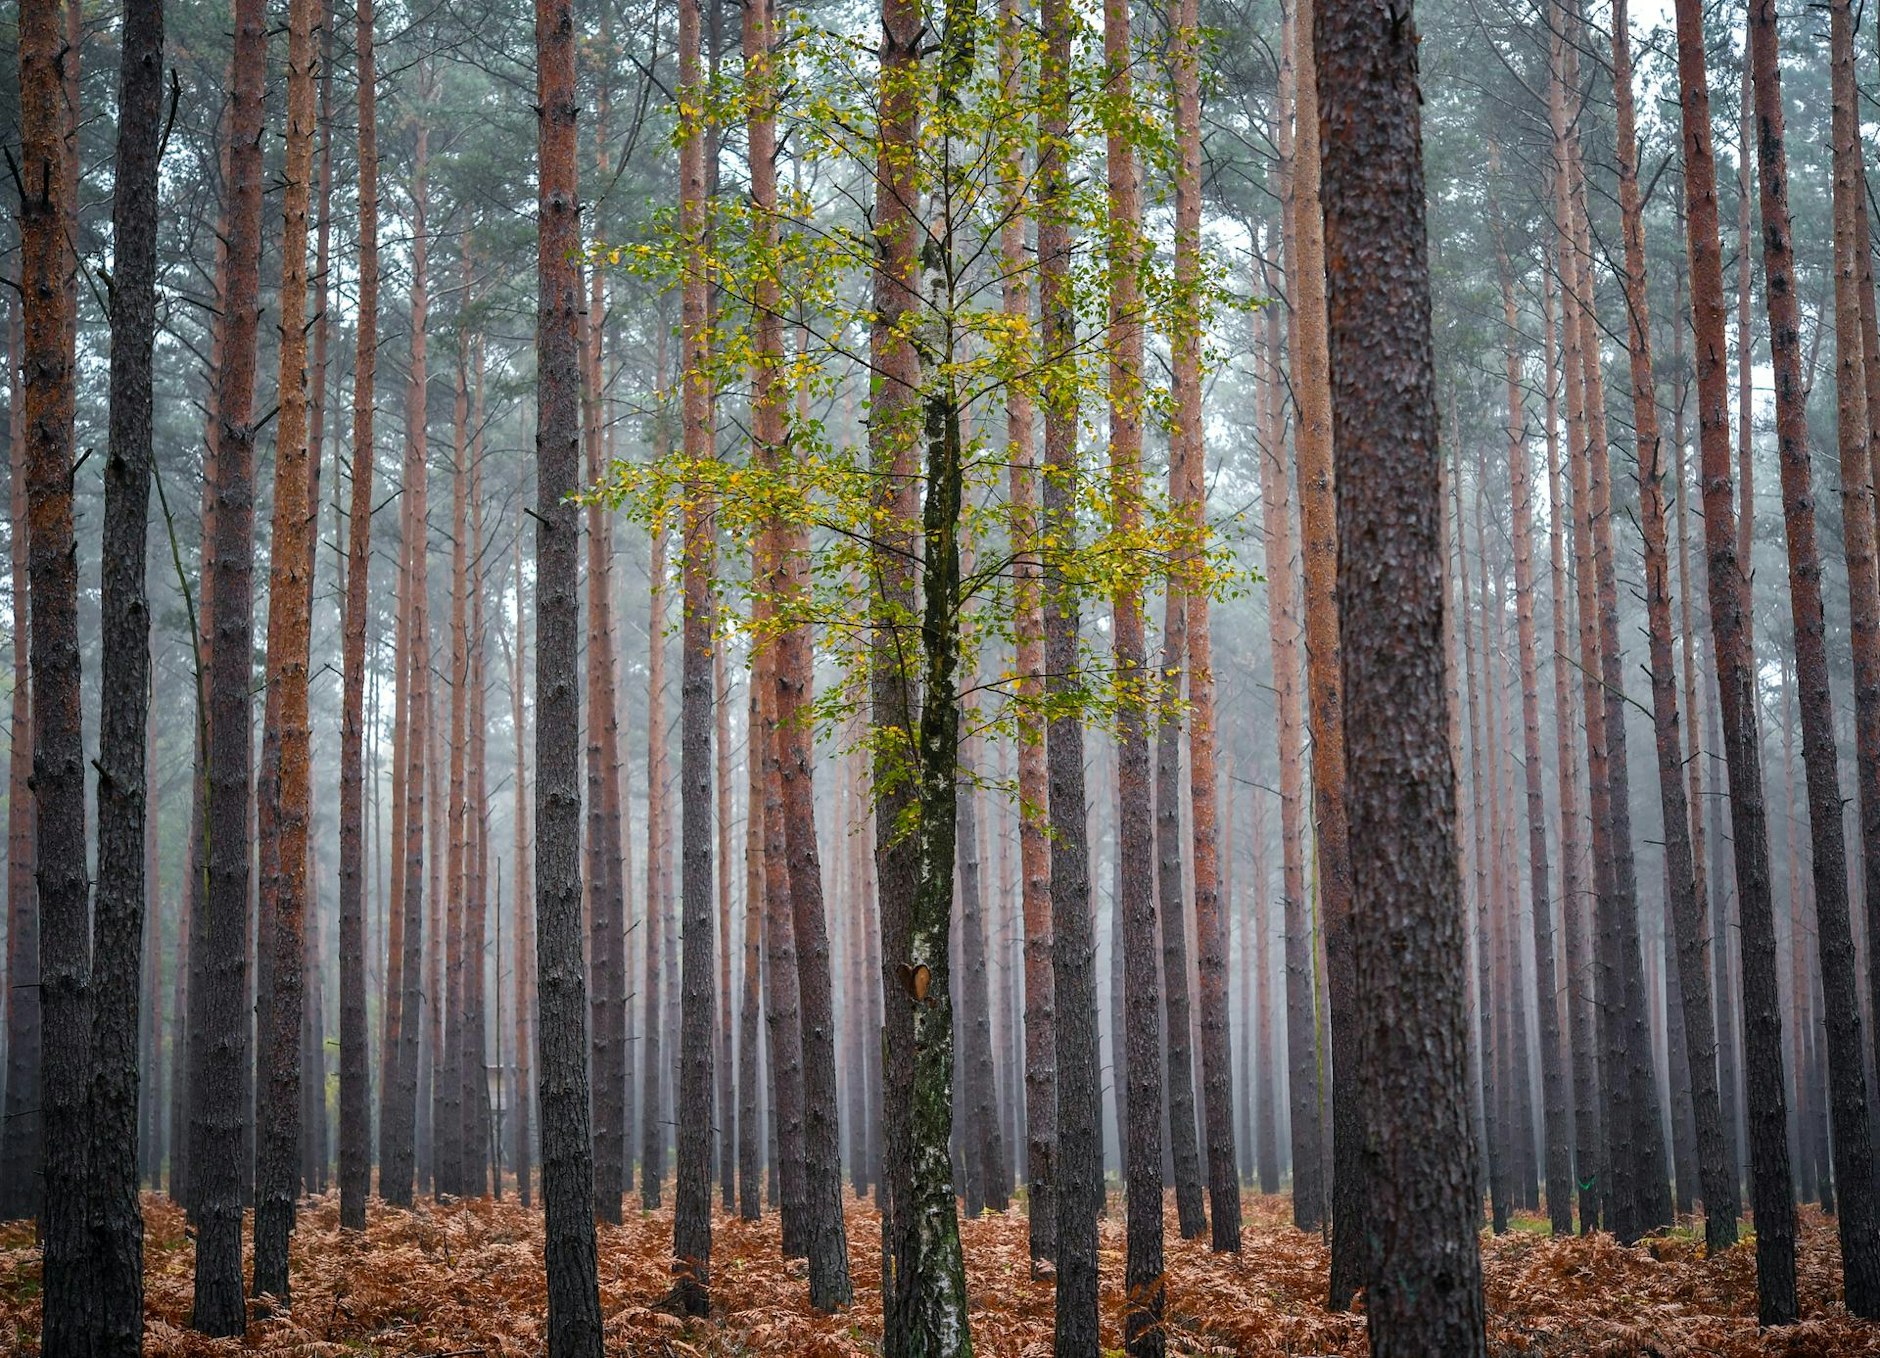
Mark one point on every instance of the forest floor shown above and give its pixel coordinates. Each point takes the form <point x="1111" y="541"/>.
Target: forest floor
<point x="465" y="1279"/>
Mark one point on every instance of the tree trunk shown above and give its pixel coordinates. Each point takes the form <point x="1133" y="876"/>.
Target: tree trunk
<point x="652" y="1107"/>
<point x="355" y="1079"/>
<point x="1693" y="982"/>
<point x="523" y="923"/>
<point x="219" y="1116"/>
<point x="1034" y="809"/>
<point x="290" y="603"/>
<point x="1771" y="1200"/>
<point x="20" y="1143"/>
<point x="1302" y="1064"/>
<point x="448" y="1116"/>
<point x="480" y="1157"/>
<point x="1143" y="1276"/>
<point x="750" y="1043"/>
<point x="725" y="1057"/>
<point x="1320" y="540"/>
<point x="692" y="1194"/>
<point x="1555" y="1090"/>
<point x="893" y="428"/>
<point x="1077" y="1168"/>
<point x="118" y="925"/>
<point x="1424" y="1289"/>
<point x="1859" y="1218"/>
<point x="1492" y="1040"/>
<point x="984" y="1146"/>
<point x="574" y="1319"/>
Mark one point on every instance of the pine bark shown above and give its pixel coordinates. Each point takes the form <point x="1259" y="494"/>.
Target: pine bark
<point x="218" y="1114"/>
<point x="1143" y="1277"/>
<point x="1078" y="1165"/>
<point x="1211" y="912"/>
<point x="1687" y="919"/>
<point x="1424" y="1290"/>
<point x="1320" y="542"/>
<point x="750" y="1003"/>
<point x="523" y="923"/>
<point x="1285" y="633"/>
<point x="398" y="1164"/>
<point x="574" y="1318"/>
<point x="355" y="1093"/>
<point x="290" y="602"/>
<point x="1859" y="1215"/>
<point x="893" y="428"/>
<point x="652" y="1124"/>
<point x="692" y="1194"/>
<point x="119" y="927"/>
<point x="1766" y="1097"/>
<point x="20" y="1142"/>
<point x="1034" y="811"/>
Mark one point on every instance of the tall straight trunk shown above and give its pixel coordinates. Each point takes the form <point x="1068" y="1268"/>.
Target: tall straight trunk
<point x="1859" y="1216"/>
<point x="1034" y="810"/>
<point x="782" y="980"/>
<point x="726" y="1069"/>
<point x="1693" y="981"/>
<point x="1077" y="1168"/>
<point x="1857" y="389"/>
<point x="118" y="925"/>
<point x="1260" y="996"/>
<point x="355" y="1079"/>
<point x="151" y="1095"/>
<point x="692" y="1193"/>
<point x="606" y="899"/>
<point x="290" y="603"/>
<point x="399" y="1165"/>
<point x="522" y="925"/>
<point x="1320" y="540"/>
<point x="750" y="1003"/>
<point x="1567" y="795"/>
<point x="1492" y="1041"/>
<point x="1302" y="1064"/>
<point x="1715" y="947"/>
<point x="479" y="1156"/>
<point x="1170" y="888"/>
<point x="1143" y="1335"/>
<point x="979" y="1128"/>
<point x="1424" y="1290"/>
<point x="652" y="1106"/>
<point x="1745" y="341"/>
<point x="574" y="1317"/>
<point x="856" y="979"/>
<point x="218" y="1115"/>
<point x="893" y="430"/>
<point x="1634" y="1143"/>
<point x="447" y="1100"/>
<point x="392" y="904"/>
<point x="20" y="1143"/>
<point x="1765" y="1090"/>
<point x="1555" y="1090"/>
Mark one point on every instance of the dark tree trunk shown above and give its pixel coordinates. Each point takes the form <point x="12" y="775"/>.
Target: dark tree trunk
<point x="574" y="1317"/>
<point x="652" y="1013"/>
<point x="482" y="1160"/>
<point x="984" y="1145"/>
<point x="116" y="1248"/>
<point x="893" y="431"/>
<point x="1425" y="1292"/>
<point x="219" y="1111"/>
<point x="750" y="1001"/>
<point x="355" y="1079"/>
<point x="20" y="1143"/>
<point x="1077" y="1169"/>
<point x="1691" y="980"/>
<point x="692" y="1193"/>
<point x="1143" y="1275"/>
<point x="286" y="776"/>
<point x="1319" y="538"/>
<point x="1765" y="1094"/>
<point x="1859" y="1218"/>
